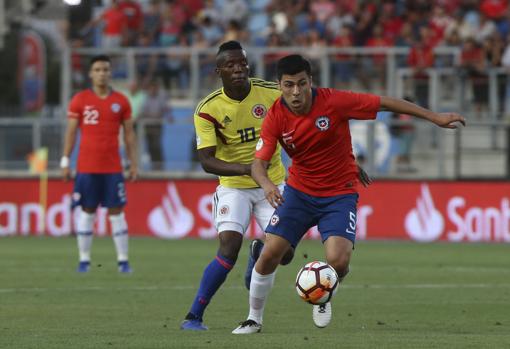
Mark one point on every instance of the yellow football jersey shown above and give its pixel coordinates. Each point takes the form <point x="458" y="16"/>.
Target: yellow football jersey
<point x="233" y="127"/>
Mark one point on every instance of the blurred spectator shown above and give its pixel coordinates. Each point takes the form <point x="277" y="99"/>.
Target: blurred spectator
<point x="494" y="9"/>
<point x="375" y="64"/>
<point x="136" y="96"/>
<point x="505" y="62"/>
<point x="441" y="22"/>
<point x="270" y="59"/>
<point x="211" y="31"/>
<point x="365" y="20"/>
<point x="153" y="112"/>
<point x="234" y="32"/>
<point x="390" y="23"/>
<point x="133" y="12"/>
<point x="146" y="63"/>
<point x="323" y="9"/>
<point x="342" y="62"/>
<point x="171" y="23"/>
<point x="234" y="10"/>
<point x="403" y="132"/>
<point x="337" y="21"/>
<point x="78" y="67"/>
<point x="210" y="11"/>
<point x="173" y="66"/>
<point x="152" y="20"/>
<point x="473" y="66"/>
<point x="486" y="28"/>
<point x="114" y="23"/>
<point x="421" y="57"/>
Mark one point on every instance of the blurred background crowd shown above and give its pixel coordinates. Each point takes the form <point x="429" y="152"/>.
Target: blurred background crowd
<point x="164" y="50"/>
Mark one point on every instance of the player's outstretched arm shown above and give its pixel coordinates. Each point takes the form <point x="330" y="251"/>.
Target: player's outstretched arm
<point x="445" y="120"/>
<point x="259" y="174"/>
<point x="130" y="142"/>
<point x="69" y="140"/>
<point x="211" y="164"/>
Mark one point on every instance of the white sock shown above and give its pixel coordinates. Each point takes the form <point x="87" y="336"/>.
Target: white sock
<point x="84" y="228"/>
<point x="259" y="289"/>
<point x="120" y="235"/>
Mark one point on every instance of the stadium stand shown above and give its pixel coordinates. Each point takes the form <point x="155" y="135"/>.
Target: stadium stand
<point x="445" y="54"/>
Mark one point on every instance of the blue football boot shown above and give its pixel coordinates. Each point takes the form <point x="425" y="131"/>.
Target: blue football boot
<point x="83" y="267"/>
<point x="124" y="267"/>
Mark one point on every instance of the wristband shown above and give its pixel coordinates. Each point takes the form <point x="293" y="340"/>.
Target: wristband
<point x="64" y="162"/>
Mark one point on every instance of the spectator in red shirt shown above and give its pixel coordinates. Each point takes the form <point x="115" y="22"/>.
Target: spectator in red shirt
<point x="133" y="13"/>
<point x="473" y="65"/>
<point x="114" y="23"/>
<point x="494" y="9"/>
<point x="421" y="57"/>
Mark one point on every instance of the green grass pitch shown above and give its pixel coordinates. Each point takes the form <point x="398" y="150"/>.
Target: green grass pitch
<point x="398" y="295"/>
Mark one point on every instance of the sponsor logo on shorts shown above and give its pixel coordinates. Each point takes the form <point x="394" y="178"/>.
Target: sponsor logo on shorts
<point x="322" y="123"/>
<point x="76" y="196"/>
<point x="224" y="210"/>
<point x="259" y="111"/>
<point x="274" y="220"/>
<point x="115" y="107"/>
<point x="198" y="140"/>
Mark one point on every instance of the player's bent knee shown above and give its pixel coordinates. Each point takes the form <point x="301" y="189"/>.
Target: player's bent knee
<point x="230" y="245"/>
<point x="288" y="256"/>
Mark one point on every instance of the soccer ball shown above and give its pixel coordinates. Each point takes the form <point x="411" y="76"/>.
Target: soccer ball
<point x="316" y="282"/>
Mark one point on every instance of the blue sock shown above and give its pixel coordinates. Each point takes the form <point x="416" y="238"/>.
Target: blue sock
<point x="214" y="276"/>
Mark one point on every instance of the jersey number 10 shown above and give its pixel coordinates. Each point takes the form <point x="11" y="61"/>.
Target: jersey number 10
<point x="247" y="134"/>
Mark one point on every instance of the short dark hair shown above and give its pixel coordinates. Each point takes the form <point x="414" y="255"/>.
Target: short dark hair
<point x="292" y="65"/>
<point x="99" y="58"/>
<point x="228" y="46"/>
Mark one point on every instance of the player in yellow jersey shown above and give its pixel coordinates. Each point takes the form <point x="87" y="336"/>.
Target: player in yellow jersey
<point x="227" y="124"/>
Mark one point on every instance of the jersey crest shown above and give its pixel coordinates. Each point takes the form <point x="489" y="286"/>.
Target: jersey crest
<point x="259" y="111"/>
<point x="115" y="107"/>
<point x="322" y="123"/>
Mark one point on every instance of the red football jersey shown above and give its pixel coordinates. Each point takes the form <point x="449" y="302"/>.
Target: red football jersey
<point x="319" y="143"/>
<point x="99" y="121"/>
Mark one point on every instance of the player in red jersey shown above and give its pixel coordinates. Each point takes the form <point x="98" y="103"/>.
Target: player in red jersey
<point x="99" y="113"/>
<point x="312" y="125"/>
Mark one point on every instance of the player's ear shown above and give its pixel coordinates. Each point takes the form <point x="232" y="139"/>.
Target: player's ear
<point x="217" y="70"/>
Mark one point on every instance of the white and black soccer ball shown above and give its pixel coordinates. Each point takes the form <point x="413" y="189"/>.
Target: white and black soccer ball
<point x="316" y="282"/>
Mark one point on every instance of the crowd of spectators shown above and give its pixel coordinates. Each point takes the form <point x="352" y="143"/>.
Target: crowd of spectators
<point x="479" y="28"/>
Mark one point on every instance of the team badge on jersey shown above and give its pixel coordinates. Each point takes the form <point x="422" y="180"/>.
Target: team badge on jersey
<point x="224" y="210"/>
<point x="322" y="123"/>
<point x="260" y="144"/>
<point x="274" y="220"/>
<point x="259" y="111"/>
<point x="115" y="107"/>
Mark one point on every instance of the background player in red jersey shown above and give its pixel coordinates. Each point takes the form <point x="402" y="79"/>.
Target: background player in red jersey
<point x="312" y="125"/>
<point x="100" y="112"/>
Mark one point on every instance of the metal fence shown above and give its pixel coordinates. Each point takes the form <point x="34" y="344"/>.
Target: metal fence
<point x="478" y="151"/>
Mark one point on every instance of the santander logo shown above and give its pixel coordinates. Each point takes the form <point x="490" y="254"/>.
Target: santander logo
<point x="171" y="220"/>
<point x="424" y="222"/>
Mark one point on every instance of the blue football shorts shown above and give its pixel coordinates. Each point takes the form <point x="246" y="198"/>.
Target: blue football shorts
<point x="333" y="215"/>
<point x="94" y="189"/>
